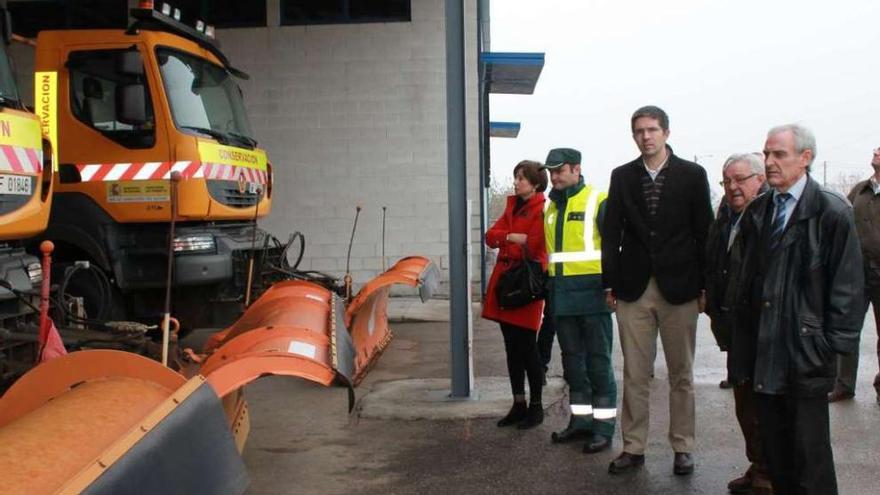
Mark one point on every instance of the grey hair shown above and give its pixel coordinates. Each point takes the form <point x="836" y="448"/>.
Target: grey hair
<point x="755" y="163"/>
<point x="803" y="139"/>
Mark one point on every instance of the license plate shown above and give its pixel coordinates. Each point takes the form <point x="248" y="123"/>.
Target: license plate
<point x="15" y="184"/>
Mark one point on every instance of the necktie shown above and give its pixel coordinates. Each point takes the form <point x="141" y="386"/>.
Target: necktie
<point x="778" y="225"/>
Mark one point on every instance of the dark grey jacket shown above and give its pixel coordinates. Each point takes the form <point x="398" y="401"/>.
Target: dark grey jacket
<point x="804" y="302"/>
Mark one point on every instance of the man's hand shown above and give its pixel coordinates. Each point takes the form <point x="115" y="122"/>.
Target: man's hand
<point x="610" y="300"/>
<point x="701" y="301"/>
<point x="517" y="238"/>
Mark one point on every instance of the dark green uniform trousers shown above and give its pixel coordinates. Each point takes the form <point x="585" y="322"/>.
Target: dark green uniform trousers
<point x="586" y="361"/>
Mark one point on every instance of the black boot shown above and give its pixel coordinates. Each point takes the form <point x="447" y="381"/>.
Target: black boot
<point x="534" y="417"/>
<point x="516" y="414"/>
<point x="578" y="428"/>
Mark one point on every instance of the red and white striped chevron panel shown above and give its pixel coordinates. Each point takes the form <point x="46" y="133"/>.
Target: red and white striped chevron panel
<point x="20" y="159"/>
<point x="162" y="170"/>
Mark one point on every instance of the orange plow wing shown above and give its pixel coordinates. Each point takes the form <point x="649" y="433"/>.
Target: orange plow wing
<point x="114" y="422"/>
<point x="298" y="328"/>
<point x="367" y="315"/>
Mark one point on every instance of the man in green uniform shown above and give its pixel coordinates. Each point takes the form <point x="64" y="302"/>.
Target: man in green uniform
<point x="583" y="321"/>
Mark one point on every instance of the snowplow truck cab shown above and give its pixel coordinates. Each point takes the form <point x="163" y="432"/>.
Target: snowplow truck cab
<point x="134" y="106"/>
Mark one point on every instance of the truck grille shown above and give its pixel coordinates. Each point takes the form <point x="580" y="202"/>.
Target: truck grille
<point x="227" y="193"/>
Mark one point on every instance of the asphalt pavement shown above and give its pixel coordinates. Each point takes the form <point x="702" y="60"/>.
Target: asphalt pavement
<point x="406" y="437"/>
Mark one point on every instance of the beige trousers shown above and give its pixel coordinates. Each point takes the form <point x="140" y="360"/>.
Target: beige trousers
<point x="639" y="323"/>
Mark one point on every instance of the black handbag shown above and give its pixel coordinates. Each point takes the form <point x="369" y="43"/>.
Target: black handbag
<point x="521" y="284"/>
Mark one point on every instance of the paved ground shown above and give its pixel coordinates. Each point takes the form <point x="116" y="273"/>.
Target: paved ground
<point x="303" y="440"/>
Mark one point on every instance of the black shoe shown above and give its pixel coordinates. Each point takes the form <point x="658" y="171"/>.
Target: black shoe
<point x="683" y="464"/>
<point x="515" y="415"/>
<point x="534" y="417"/>
<point x="577" y="429"/>
<point x="840" y="394"/>
<point x="597" y="444"/>
<point x="725" y="384"/>
<point x="625" y="462"/>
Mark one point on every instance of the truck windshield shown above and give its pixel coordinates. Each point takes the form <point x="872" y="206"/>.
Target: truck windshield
<point x="204" y="98"/>
<point x="8" y="89"/>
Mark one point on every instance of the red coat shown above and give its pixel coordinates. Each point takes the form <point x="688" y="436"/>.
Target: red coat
<point x="528" y="220"/>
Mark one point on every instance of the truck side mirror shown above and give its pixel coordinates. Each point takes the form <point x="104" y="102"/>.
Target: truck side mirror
<point x="131" y="63"/>
<point x="131" y="104"/>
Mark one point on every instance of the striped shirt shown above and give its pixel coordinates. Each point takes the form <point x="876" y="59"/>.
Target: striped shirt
<point x="652" y="189"/>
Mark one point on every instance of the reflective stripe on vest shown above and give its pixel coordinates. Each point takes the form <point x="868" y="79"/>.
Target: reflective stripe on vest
<point x="581" y="256"/>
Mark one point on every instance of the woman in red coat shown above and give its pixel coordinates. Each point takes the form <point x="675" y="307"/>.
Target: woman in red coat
<point x="522" y="224"/>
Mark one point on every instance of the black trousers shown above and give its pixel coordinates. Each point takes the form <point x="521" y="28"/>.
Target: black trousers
<point x="546" y="334"/>
<point x="744" y="399"/>
<point x="522" y="359"/>
<point x="797" y="444"/>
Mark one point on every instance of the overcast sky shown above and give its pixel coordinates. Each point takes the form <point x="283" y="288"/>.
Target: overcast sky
<point x="725" y="71"/>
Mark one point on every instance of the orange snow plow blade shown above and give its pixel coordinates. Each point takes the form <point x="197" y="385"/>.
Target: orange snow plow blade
<point x="299" y="328"/>
<point x="367" y="315"/>
<point x="114" y="422"/>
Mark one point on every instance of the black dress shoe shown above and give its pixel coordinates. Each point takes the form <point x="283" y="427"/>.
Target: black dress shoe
<point x="516" y="414"/>
<point x="725" y="384"/>
<point x="684" y="463"/>
<point x="840" y="394"/>
<point x="534" y="417"/>
<point x="577" y="429"/>
<point x="597" y="443"/>
<point x="743" y="484"/>
<point x="625" y="462"/>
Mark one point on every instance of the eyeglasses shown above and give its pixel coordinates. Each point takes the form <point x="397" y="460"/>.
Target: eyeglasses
<point x="739" y="180"/>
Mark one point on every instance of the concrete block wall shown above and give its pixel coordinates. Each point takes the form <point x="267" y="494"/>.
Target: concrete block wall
<point x="355" y="114"/>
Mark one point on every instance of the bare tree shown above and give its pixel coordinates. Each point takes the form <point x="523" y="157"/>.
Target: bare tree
<point x="844" y="182"/>
<point x="498" y="193"/>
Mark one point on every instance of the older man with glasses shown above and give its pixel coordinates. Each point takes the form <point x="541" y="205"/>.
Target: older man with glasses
<point x="743" y="181"/>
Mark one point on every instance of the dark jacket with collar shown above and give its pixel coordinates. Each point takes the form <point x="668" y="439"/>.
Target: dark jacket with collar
<point x="717" y="274"/>
<point x="675" y="253"/>
<point x="721" y="283"/>
<point x="802" y="303"/>
<point x="866" y="210"/>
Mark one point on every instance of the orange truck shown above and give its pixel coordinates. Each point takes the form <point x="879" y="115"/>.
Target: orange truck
<point x="25" y="200"/>
<point x="133" y="106"/>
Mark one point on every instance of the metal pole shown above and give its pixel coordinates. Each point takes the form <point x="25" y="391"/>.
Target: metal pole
<point x="483" y="129"/>
<point x="166" y="316"/>
<point x="459" y="281"/>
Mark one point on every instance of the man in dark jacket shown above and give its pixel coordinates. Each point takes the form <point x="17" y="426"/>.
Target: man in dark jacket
<point x="743" y="181"/>
<point x="653" y="264"/>
<point x="803" y="285"/>
<point x="865" y="198"/>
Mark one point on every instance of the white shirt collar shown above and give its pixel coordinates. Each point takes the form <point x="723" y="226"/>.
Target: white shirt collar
<point x="654" y="173"/>
<point x="796" y="190"/>
<point x="875" y="186"/>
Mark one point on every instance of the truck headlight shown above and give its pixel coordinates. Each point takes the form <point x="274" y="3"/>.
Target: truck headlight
<point x="35" y="273"/>
<point x="203" y="243"/>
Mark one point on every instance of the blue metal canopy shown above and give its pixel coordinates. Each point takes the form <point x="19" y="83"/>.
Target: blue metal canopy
<point x="511" y="73"/>
<point x="504" y="129"/>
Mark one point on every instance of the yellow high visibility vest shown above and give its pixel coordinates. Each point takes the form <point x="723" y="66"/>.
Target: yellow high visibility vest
<point x="581" y="252"/>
